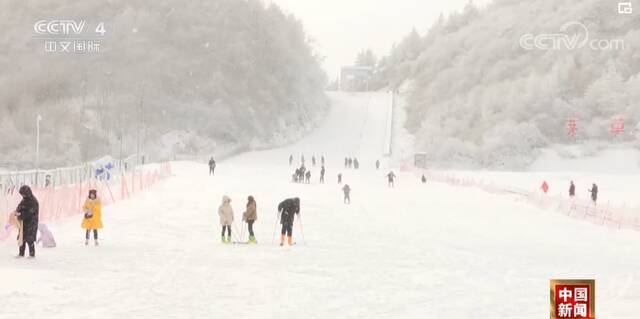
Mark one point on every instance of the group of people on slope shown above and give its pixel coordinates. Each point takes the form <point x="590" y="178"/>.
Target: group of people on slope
<point x="351" y="163"/>
<point x="572" y="190"/>
<point x="287" y="209"/>
<point x="303" y="175"/>
<point x="302" y="160"/>
<point x="593" y="191"/>
<point x="26" y="219"/>
<point x="249" y="216"/>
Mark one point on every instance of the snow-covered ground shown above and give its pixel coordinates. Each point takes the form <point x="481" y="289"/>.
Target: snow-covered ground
<point x="615" y="171"/>
<point x="415" y="251"/>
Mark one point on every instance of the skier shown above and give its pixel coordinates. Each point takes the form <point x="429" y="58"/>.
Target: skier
<point x="594" y="193"/>
<point x="356" y="164"/>
<point x="350" y="162"/>
<point x="295" y="175"/>
<point x="308" y="177"/>
<point x="572" y="190"/>
<point x="346" y="162"/>
<point x="287" y="209"/>
<point x="392" y="179"/>
<point x="92" y="216"/>
<point x="424" y="179"/>
<point x="28" y="212"/>
<point x="340" y="178"/>
<point x="322" y="171"/>
<point x="303" y="170"/>
<point x="250" y="216"/>
<point x="322" y="160"/>
<point x="290" y="159"/>
<point x="226" y="217"/>
<point x="378" y="164"/>
<point x="212" y="166"/>
<point x="313" y="160"/>
<point x="347" y="194"/>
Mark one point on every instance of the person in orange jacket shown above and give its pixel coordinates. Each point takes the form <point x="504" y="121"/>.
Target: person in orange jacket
<point x="92" y="216"/>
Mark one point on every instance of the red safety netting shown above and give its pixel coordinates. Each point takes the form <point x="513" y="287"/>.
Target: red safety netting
<point x="604" y="214"/>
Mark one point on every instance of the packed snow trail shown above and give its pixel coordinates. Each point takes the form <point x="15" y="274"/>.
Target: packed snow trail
<point x="415" y="251"/>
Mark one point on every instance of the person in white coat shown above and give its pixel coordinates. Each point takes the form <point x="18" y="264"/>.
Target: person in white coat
<point x="226" y="218"/>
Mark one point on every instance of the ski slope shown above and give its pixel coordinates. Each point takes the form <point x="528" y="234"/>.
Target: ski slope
<point x="415" y="251"/>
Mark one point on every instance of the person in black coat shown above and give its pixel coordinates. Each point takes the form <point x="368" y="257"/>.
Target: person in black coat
<point x="572" y="190"/>
<point x="594" y="193"/>
<point x="28" y="211"/>
<point x="392" y="179"/>
<point x="301" y="174"/>
<point x="296" y="174"/>
<point x="322" y="172"/>
<point x="308" y="177"/>
<point x="288" y="208"/>
<point x="347" y="194"/>
<point x="212" y="166"/>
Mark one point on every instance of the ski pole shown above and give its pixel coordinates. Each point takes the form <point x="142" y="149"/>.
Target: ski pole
<point x="274" y="227"/>
<point x="301" y="230"/>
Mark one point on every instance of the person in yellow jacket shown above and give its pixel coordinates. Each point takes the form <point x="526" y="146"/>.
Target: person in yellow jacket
<point x="92" y="216"/>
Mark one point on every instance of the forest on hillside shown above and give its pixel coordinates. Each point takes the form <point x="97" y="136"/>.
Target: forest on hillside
<point x="477" y="96"/>
<point x="175" y="77"/>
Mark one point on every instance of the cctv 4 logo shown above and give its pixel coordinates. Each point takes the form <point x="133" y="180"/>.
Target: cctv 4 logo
<point x="65" y="27"/>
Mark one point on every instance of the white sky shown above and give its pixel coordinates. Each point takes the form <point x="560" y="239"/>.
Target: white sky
<point x="341" y="28"/>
